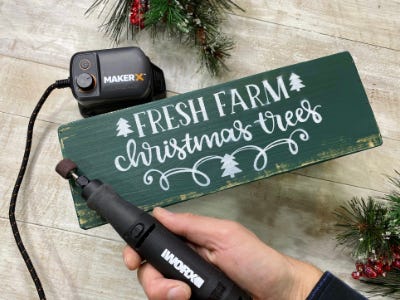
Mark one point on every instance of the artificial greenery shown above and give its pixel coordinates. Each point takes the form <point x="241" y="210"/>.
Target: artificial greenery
<point x="371" y="228"/>
<point x="387" y="286"/>
<point x="394" y="198"/>
<point x="192" y="22"/>
<point x="366" y="228"/>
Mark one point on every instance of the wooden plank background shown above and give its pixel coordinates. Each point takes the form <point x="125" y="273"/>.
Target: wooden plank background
<point x="291" y="212"/>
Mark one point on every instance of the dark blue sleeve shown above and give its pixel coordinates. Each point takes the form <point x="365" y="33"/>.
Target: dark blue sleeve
<point x="331" y="288"/>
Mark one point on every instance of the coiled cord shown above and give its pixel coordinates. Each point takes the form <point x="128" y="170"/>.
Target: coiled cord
<point x="59" y="84"/>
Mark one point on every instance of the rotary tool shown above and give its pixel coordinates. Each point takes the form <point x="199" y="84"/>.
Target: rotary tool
<point x="165" y="251"/>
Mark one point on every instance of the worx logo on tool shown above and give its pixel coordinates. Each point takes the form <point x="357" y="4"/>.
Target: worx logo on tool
<point x="182" y="268"/>
<point x="124" y="78"/>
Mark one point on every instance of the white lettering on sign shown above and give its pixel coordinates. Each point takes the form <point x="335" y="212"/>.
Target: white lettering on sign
<point x="154" y="121"/>
<point x="194" y="111"/>
<point x="253" y="91"/>
<point x="229" y="164"/>
<point x="146" y="154"/>
<point x="227" y="102"/>
<point x="269" y="121"/>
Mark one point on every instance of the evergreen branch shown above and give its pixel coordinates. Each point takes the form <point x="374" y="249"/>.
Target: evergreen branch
<point x="388" y="286"/>
<point x="394" y="198"/>
<point x="223" y="5"/>
<point x="193" y="22"/>
<point x="372" y="230"/>
<point x="170" y="13"/>
<point x="366" y="228"/>
<point x="117" y="18"/>
<point x="214" y="52"/>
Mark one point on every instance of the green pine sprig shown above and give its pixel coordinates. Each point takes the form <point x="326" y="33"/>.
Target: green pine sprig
<point x="372" y="229"/>
<point x="116" y="20"/>
<point x="365" y="228"/>
<point x="214" y="52"/>
<point x="394" y="198"/>
<point x="170" y="14"/>
<point x="387" y="286"/>
<point x="192" y="22"/>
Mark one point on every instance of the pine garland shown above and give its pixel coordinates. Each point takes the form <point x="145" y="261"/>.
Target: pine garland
<point x="192" y="22"/>
<point x="388" y="286"/>
<point x="366" y="228"/>
<point x="371" y="228"/>
<point x="394" y="198"/>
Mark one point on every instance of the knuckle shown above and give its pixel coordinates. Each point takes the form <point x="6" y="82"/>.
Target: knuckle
<point x="229" y="228"/>
<point x="188" y="215"/>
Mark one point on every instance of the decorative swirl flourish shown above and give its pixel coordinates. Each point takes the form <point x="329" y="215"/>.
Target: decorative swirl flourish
<point x="259" y="164"/>
<point x="199" y="177"/>
<point x="164" y="181"/>
<point x="261" y="159"/>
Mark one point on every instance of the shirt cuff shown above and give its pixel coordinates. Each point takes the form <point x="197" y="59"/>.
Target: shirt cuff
<point x="330" y="287"/>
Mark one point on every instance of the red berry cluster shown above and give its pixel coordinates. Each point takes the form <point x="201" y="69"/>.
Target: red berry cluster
<point x="138" y="9"/>
<point x="376" y="267"/>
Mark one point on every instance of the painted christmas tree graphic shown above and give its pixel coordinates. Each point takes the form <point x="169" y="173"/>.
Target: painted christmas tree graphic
<point x="229" y="165"/>
<point x="296" y="84"/>
<point x="123" y="127"/>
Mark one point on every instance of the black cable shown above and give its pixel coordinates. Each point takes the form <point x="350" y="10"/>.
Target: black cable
<point x="59" y="84"/>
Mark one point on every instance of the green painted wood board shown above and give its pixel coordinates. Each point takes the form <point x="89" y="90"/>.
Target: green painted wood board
<point x="204" y="141"/>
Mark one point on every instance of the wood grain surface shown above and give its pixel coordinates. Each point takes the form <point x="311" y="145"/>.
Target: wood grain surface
<point x="291" y="212"/>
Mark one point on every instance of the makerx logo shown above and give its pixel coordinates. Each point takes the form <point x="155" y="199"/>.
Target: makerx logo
<point x="124" y="78"/>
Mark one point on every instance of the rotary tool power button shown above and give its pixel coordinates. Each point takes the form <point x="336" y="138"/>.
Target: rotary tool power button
<point x="85" y="82"/>
<point x="137" y="230"/>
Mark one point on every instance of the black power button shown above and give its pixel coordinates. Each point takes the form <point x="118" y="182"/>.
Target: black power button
<point x="137" y="230"/>
<point x="85" y="82"/>
<point x="84" y="64"/>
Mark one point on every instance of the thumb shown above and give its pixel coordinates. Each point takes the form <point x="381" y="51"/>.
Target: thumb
<point x="157" y="287"/>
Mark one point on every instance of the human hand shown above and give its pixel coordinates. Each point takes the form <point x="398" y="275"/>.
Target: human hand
<point x="255" y="267"/>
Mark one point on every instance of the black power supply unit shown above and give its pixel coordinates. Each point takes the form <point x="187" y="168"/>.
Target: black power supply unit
<point x="111" y="79"/>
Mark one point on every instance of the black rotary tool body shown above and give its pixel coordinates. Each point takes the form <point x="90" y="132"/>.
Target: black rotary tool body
<point x="168" y="253"/>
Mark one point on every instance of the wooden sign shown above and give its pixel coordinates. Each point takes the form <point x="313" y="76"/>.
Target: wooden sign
<point x="215" y="138"/>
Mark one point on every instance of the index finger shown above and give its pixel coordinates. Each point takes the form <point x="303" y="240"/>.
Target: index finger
<point x="201" y="230"/>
